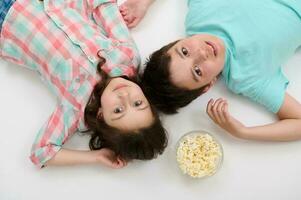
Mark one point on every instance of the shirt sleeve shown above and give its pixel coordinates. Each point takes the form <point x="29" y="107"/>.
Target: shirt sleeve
<point x="60" y="125"/>
<point x="106" y="14"/>
<point x="124" y="59"/>
<point x="273" y="91"/>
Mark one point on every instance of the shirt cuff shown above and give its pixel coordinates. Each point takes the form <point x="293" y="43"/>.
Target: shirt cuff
<point x="96" y="3"/>
<point x="41" y="155"/>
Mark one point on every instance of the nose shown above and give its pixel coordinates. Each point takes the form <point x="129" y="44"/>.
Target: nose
<point x="125" y="98"/>
<point x="123" y="94"/>
<point x="202" y="54"/>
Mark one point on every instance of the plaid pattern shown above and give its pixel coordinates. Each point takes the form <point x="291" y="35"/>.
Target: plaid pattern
<point x="62" y="40"/>
<point x="4" y="7"/>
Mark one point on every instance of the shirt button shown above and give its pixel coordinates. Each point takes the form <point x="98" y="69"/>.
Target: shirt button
<point x="77" y="79"/>
<point x="75" y="41"/>
<point x="115" y="43"/>
<point x="60" y="24"/>
<point x="92" y="58"/>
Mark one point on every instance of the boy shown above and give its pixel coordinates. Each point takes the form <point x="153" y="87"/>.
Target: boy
<point x="245" y="42"/>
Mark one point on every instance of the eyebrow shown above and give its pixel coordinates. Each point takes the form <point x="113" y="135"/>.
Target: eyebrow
<point x="179" y="53"/>
<point x="145" y="107"/>
<point x="119" y="117"/>
<point x="192" y="73"/>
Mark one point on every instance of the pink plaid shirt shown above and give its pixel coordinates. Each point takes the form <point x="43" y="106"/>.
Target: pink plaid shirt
<point x="62" y="40"/>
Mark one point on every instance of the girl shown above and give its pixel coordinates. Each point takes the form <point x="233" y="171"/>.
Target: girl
<point x="83" y="51"/>
<point x="244" y="42"/>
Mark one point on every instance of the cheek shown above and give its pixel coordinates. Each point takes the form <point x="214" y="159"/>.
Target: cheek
<point x="107" y="106"/>
<point x="138" y="92"/>
<point x="106" y="115"/>
<point x="106" y="101"/>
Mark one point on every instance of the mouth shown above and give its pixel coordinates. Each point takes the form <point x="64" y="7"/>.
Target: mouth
<point x="213" y="47"/>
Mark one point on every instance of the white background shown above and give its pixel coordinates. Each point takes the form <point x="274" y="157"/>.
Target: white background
<point x="251" y="170"/>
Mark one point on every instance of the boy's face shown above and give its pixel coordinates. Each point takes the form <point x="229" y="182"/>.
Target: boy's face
<point x="124" y="105"/>
<point x="196" y="61"/>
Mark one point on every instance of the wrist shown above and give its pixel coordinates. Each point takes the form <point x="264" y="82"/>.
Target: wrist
<point x="97" y="156"/>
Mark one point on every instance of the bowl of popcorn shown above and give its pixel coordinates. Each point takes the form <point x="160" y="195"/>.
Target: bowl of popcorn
<point x="199" y="154"/>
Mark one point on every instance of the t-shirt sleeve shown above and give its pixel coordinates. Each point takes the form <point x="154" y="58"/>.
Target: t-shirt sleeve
<point x="273" y="91"/>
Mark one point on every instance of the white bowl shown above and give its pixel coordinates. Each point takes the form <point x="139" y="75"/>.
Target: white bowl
<point x="199" y="154"/>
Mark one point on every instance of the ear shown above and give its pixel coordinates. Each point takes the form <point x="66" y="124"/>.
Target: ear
<point x="99" y="114"/>
<point x="209" y="85"/>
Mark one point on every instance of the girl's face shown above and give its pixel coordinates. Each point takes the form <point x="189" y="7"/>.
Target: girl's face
<point x="196" y="61"/>
<point x="124" y="106"/>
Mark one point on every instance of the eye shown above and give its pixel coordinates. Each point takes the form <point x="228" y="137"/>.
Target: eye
<point x="184" y="51"/>
<point x="118" y="110"/>
<point x="197" y="70"/>
<point x="138" y="103"/>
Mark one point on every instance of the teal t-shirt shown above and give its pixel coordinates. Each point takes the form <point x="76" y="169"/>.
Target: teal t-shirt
<point x="260" y="35"/>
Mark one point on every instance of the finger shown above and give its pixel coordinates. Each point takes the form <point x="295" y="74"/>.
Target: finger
<point x="209" y="106"/>
<point x="121" y="11"/>
<point x="126" y="18"/>
<point x="123" y="7"/>
<point x="114" y="164"/>
<point x="121" y="161"/>
<point x="215" y="110"/>
<point x="108" y="163"/>
<point x="125" y="162"/>
<point x="226" y="112"/>
<point x="129" y="18"/>
<point x="216" y="102"/>
<point x="209" y="109"/>
<point x="121" y="164"/>
<point x="124" y="12"/>
<point x="220" y="111"/>
<point x="134" y="23"/>
<point x="210" y="112"/>
<point x="126" y="21"/>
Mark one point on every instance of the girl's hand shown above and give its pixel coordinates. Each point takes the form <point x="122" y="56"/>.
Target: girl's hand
<point x="108" y="158"/>
<point x="218" y="112"/>
<point x="133" y="11"/>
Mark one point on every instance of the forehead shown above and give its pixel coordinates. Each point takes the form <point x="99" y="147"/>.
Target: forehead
<point x="180" y="69"/>
<point x="174" y="44"/>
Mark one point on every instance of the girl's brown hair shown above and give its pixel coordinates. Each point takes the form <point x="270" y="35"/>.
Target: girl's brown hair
<point x="142" y="144"/>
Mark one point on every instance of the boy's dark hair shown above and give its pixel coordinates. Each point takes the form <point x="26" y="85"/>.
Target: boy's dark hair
<point x="157" y="86"/>
<point x="143" y="144"/>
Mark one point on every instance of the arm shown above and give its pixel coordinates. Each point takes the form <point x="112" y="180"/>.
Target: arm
<point x="288" y="127"/>
<point x="47" y="148"/>
<point x="54" y="133"/>
<point x="76" y="157"/>
<point x="133" y="11"/>
<point x="124" y="59"/>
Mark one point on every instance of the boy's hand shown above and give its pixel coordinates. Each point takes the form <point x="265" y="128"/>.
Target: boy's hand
<point x="108" y="158"/>
<point x="218" y="112"/>
<point x="133" y="11"/>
